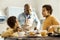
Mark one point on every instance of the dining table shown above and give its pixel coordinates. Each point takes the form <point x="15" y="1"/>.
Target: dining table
<point x="33" y="38"/>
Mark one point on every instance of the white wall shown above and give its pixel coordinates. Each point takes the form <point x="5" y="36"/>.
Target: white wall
<point x="16" y="3"/>
<point x="37" y="4"/>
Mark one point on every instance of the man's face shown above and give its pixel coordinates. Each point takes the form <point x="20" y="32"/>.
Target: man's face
<point x="45" y="12"/>
<point x="27" y="9"/>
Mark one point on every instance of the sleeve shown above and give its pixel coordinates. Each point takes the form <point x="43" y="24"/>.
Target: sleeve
<point x="37" y="22"/>
<point x="6" y="34"/>
<point x="19" y="17"/>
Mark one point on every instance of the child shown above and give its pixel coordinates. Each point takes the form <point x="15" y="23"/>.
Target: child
<point x="13" y="27"/>
<point x="49" y="19"/>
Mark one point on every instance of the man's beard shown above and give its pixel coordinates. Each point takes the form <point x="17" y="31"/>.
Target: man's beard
<point x="28" y="13"/>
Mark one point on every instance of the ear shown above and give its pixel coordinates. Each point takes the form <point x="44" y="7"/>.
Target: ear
<point x="15" y="24"/>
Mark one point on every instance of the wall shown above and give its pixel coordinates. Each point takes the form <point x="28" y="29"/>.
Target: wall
<point x="37" y="4"/>
<point x="16" y="3"/>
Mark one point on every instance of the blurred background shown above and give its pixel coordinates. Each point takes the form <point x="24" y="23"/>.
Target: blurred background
<point x="15" y="7"/>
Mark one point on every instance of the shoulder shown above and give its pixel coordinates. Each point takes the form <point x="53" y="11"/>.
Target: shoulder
<point x="52" y="17"/>
<point x="7" y="33"/>
<point x="33" y="13"/>
<point x="9" y="30"/>
<point x="21" y="13"/>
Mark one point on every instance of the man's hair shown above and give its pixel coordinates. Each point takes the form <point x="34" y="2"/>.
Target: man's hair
<point x="48" y="8"/>
<point x="11" y="21"/>
<point x="27" y="5"/>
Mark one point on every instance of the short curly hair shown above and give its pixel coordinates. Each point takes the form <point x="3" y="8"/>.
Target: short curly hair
<point x="11" y="21"/>
<point x="48" y="7"/>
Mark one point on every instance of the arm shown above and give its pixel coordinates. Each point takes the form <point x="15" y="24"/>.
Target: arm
<point x="54" y="26"/>
<point x="19" y="20"/>
<point x="6" y="34"/>
<point x="37" y="22"/>
<point x="19" y="17"/>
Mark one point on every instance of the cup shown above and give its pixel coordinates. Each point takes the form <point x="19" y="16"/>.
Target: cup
<point x="43" y="33"/>
<point x="21" y="34"/>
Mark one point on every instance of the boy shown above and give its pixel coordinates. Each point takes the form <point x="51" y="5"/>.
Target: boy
<point x="13" y="27"/>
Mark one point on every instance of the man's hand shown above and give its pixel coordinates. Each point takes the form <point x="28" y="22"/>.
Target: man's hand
<point x="35" y="28"/>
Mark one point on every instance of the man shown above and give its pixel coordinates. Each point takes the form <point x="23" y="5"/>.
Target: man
<point x="28" y="17"/>
<point x="50" y="20"/>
